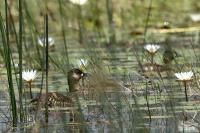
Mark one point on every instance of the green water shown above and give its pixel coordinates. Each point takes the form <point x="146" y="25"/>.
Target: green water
<point x="115" y="111"/>
<point x="112" y="35"/>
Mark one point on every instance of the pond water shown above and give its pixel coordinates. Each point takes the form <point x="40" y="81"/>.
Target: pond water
<point x="155" y="102"/>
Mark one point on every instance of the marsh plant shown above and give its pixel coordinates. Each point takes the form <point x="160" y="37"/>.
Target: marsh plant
<point x="29" y="76"/>
<point x="82" y="64"/>
<point x="42" y="41"/>
<point x="184" y="77"/>
<point x="151" y="49"/>
<point x="110" y="69"/>
<point x="78" y="2"/>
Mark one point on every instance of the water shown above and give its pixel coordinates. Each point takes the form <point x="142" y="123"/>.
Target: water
<point x="117" y="111"/>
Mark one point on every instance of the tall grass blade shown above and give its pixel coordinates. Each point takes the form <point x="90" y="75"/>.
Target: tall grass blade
<point x="20" y="59"/>
<point x="80" y="23"/>
<point x="47" y="66"/>
<point x="7" y="59"/>
<point x="109" y="8"/>
<point x="63" y="31"/>
<point x="147" y="20"/>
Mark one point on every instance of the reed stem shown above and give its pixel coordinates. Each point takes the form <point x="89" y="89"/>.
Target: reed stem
<point x="80" y="23"/>
<point x="20" y="59"/>
<point x="152" y="58"/>
<point x="7" y="59"/>
<point x="47" y="66"/>
<point x="147" y="20"/>
<point x="63" y="32"/>
<point x="109" y="8"/>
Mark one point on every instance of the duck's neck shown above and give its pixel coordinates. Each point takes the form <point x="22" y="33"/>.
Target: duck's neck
<point x="73" y="84"/>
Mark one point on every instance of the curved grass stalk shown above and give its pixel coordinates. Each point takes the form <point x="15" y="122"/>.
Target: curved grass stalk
<point x="63" y="31"/>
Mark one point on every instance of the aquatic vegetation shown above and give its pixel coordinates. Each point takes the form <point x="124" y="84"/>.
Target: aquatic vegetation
<point x="82" y="64"/>
<point x="184" y="77"/>
<point x="195" y="17"/>
<point x="124" y="90"/>
<point x="42" y="41"/>
<point x="79" y="2"/>
<point x="152" y="49"/>
<point x="29" y="76"/>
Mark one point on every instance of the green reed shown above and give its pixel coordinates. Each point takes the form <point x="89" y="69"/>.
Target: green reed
<point x="7" y="58"/>
<point x="80" y="24"/>
<point x="47" y="65"/>
<point x="147" y="19"/>
<point x="31" y="24"/>
<point x="63" y="30"/>
<point x="109" y="8"/>
<point x="14" y="34"/>
<point x="20" y="51"/>
<point x="168" y="103"/>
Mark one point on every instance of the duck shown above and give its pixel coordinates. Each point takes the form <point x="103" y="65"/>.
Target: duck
<point x="58" y="99"/>
<point x="169" y="54"/>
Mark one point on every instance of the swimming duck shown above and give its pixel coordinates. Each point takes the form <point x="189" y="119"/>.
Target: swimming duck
<point x="57" y="99"/>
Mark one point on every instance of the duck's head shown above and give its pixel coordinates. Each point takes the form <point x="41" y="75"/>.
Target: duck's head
<point x="74" y="75"/>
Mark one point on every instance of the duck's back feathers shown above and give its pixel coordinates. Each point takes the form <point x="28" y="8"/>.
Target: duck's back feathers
<point x="53" y="99"/>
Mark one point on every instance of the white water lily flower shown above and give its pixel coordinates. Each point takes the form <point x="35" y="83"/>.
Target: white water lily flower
<point x="29" y="75"/>
<point x="82" y="62"/>
<point x="16" y="65"/>
<point x="166" y="23"/>
<point x="78" y="2"/>
<point x="151" y="48"/>
<point x="42" y="41"/>
<point x="195" y="17"/>
<point x="184" y="76"/>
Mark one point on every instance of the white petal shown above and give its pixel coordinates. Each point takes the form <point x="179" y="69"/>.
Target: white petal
<point x="184" y="75"/>
<point x="79" y="2"/>
<point x="42" y="41"/>
<point x="29" y="75"/>
<point x="151" y="48"/>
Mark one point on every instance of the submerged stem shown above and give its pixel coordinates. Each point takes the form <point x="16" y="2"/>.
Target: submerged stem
<point x="147" y="103"/>
<point x="185" y="85"/>
<point x="152" y="56"/>
<point x="30" y="89"/>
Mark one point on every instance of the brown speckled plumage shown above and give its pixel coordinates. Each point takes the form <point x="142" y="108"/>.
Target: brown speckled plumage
<point x="57" y="99"/>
